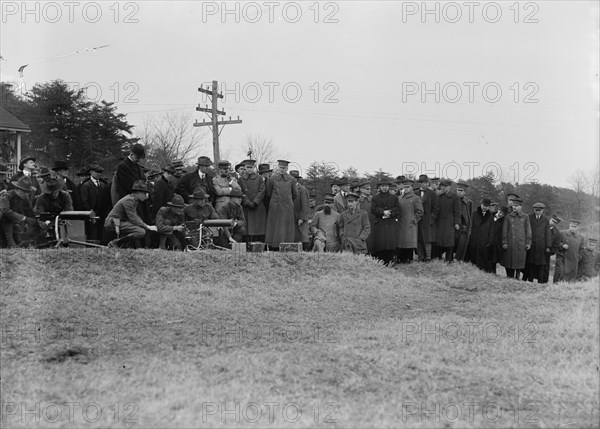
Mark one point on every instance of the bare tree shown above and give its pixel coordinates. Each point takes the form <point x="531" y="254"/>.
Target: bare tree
<point x="261" y="149"/>
<point x="172" y="137"/>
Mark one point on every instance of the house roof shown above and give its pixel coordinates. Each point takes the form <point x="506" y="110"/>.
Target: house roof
<point x="9" y="122"/>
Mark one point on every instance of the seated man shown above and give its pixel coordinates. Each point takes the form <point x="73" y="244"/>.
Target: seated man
<point x="354" y="226"/>
<point x="196" y="213"/>
<point x="590" y="261"/>
<point x="325" y="226"/>
<point x="123" y="218"/>
<point x="233" y="210"/>
<point x="16" y="210"/>
<point x="53" y="199"/>
<point x="170" y="223"/>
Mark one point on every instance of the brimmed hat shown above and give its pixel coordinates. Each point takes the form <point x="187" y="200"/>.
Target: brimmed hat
<point x="519" y="201"/>
<point x="177" y="202"/>
<point x="24" y="160"/>
<point x="575" y="221"/>
<point x="4" y="170"/>
<point x="198" y="194"/>
<point x="423" y="178"/>
<point x="504" y="209"/>
<point x="539" y="206"/>
<point x="169" y="169"/>
<point x="241" y="164"/>
<point x="224" y="163"/>
<point x="592" y="240"/>
<point x="44" y="173"/>
<point x="486" y="201"/>
<point x="343" y="181"/>
<point x="153" y="172"/>
<point x="24" y="184"/>
<point x="445" y="182"/>
<point x="556" y="218"/>
<point x="60" y="165"/>
<point x="434" y="179"/>
<point x="328" y="198"/>
<point x="512" y="196"/>
<point x="354" y="184"/>
<point x="295" y="174"/>
<point x="96" y="167"/>
<point x="264" y="168"/>
<point x="249" y="161"/>
<point x="283" y="162"/>
<point x="236" y="193"/>
<point x="138" y="150"/>
<point x="364" y="184"/>
<point x="139" y="186"/>
<point x="400" y="179"/>
<point x="83" y="171"/>
<point x="352" y="195"/>
<point x="205" y="161"/>
<point x="408" y="182"/>
<point x="385" y="182"/>
<point x="176" y="164"/>
<point x="461" y="185"/>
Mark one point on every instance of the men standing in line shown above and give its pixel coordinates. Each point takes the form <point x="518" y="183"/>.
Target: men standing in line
<point x="325" y="227"/>
<point x="541" y="243"/>
<point x="411" y="212"/>
<point x="95" y="196"/>
<point x="516" y="240"/>
<point x="281" y="191"/>
<point x="386" y="209"/>
<point x="253" y="189"/>
<point x="201" y="178"/>
<point x="448" y="221"/>
<point x="124" y="218"/>
<point x="567" y="259"/>
<point x="354" y="226"/>
<point x="301" y="212"/>
<point x="462" y="234"/>
<point x="480" y="232"/>
<point x="431" y="210"/>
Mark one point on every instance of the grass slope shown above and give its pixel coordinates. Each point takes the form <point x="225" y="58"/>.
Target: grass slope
<point x="157" y="339"/>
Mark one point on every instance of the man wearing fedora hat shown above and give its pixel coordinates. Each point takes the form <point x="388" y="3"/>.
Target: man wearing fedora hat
<point x="224" y="184"/>
<point x="253" y="188"/>
<point x="265" y="171"/>
<point x="129" y="170"/>
<point x="163" y="189"/>
<point x="124" y="215"/>
<point x="556" y="242"/>
<point x="541" y="243"/>
<point x="448" y="220"/>
<point x="199" y="209"/>
<point x="201" y="178"/>
<point x="339" y="202"/>
<point x="282" y="191"/>
<point x="170" y="223"/>
<point x="482" y="219"/>
<point x="16" y="211"/>
<point x="27" y="169"/>
<point x="95" y="196"/>
<point x="62" y="169"/>
<point x="301" y="212"/>
<point x="426" y="227"/>
<point x="54" y="200"/>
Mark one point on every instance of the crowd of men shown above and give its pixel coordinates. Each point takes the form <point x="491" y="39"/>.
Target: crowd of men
<point x="272" y="206"/>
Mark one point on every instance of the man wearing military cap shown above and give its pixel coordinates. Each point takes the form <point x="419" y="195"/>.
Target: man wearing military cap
<point x="386" y="209"/>
<point x="354" y="226"/>
<point x="17" y="211"/>
<point x="255" y="212"/>
<point x="541" y="244"/>
<point x="448" y="221"/>
<point x="589" y="265"/>
<point x="124" y="219"/>
<point x="426" y="227"/>
<point x="170" y="223"/>
<point x="510" y="197"/>
<point x="434" y="185"/>
<point x="461" y="241"/>
<point x="569" y="255"/>
<point x="301" y="212"/>
<point x="325" y="227"/>
<point x="282" y="191"/>
<point x="224" y="184"/>
<point x="516" y="240"/>
<point x="339" y="202"/>
<point x="201" y="178"/>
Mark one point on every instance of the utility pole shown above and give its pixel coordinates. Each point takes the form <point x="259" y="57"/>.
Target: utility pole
<point x="214" y="122"/>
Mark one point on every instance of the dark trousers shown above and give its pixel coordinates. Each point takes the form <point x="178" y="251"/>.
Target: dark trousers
<point x="512" y="273"/>
<point x="449" y="251"/>
<point x="404" y="256"/>
<point x="546" y="274"/>
<point x="559" y="266"/>
<point x="533" y="271"/>
<point x="386" y="256"/>
<point x="424" y="250"/>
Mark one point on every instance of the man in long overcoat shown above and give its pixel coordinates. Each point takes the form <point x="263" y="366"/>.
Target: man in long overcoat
<point x="355" y="227"/>
<point x="462" y="234"/>
<point x="301" y="212"/>
<point x="494" y="245"/>
<point x="480" y="233"/>
<point x="281" y="191"/>
<point x="364" y="202"/>
<point x="589" y="265"/>
<point x="448" y="220"/>
<point x="94" y="196"/>
<point x="431" y="210"/>
<point x="516" y="239"/>
<point x="567" y="259"/>
<point x="224" y="183"/>
<point x="202" y="178"/>
<point x="163" y="190"/>
<point x="253" y="188"/>
<point x="541" y="243"/>
<point x="556" y="240"/>
<point x="386" y="209"/>
<point x="411" y="212"/>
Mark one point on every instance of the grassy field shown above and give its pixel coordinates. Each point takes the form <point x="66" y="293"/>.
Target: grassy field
<point x="161" y="339"/>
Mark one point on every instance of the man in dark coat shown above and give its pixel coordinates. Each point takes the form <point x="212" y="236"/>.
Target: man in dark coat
<point x="265" y="171"/>
<point x="556" y="240"/>
<point x="95" y="196"/>
<point x="339" y="202"/>
<point x="129" y="170"/>
<point x="386" y="209"/>
<point x="281" y="191"/>
<point x="27" y="169"/>
<point x="567" y="259"/>
<point x="17" y="212"/>
<point x="494" y="244"/>
<point x="541" y="243"/>
<point x="480" y="232"/>
<point x="431" y="210"/>
<point x="54" y="199"/>
<point x="201" y="178"/>
<point x="589" y="265"/>
<point x="163" y="190"/>
<point x="461" y="241"/>
<point x="355" y="227"/>
<point x="255" y="212"/>
<point x="301" y="212"/>
<point x="448" y="221"/>
<point x="516" y="240"/>
<point x="62" y="169"/>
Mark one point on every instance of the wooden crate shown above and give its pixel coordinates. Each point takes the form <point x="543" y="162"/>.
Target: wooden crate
<point x="290" y="247"/>
<point x="257" y="247"/>
<point x="238" y="247"/>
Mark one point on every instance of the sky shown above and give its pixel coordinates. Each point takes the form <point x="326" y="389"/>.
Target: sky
<point x="449" y="89"/>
